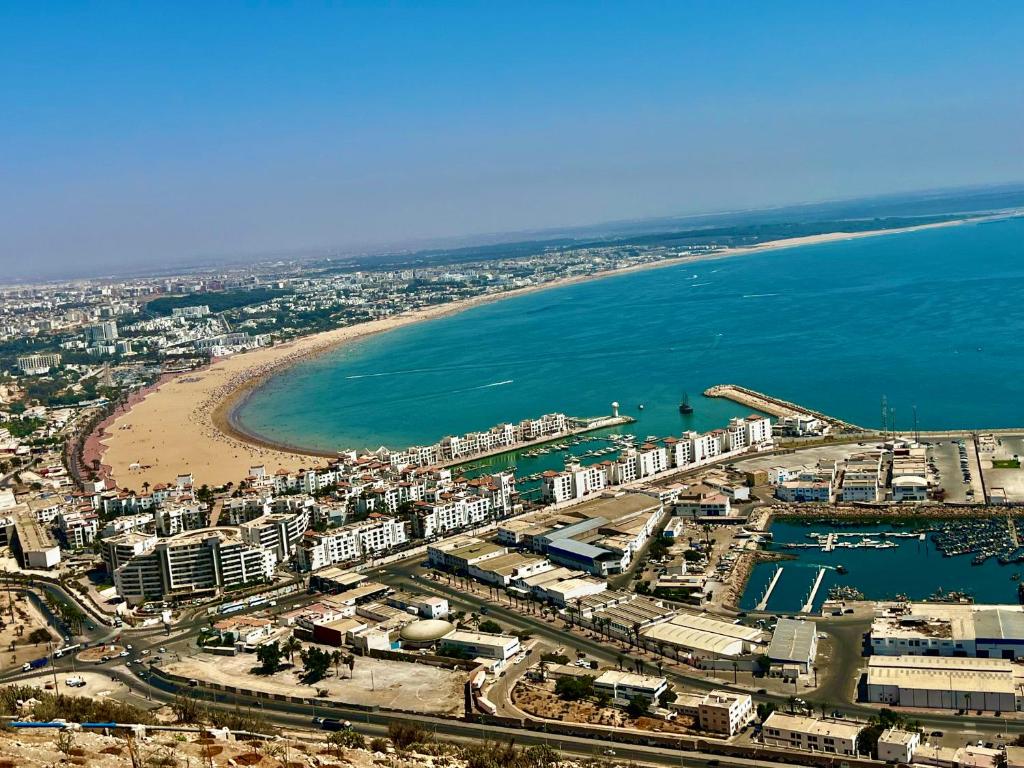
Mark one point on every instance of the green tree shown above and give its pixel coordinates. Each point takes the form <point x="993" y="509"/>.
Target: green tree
<point x="291" y="645"/>
<point x="490" y="627"/>
<point x="269" y="657"/>
<point x="39" y="635"/>
<point x="404" y="734"/>
<point x="575" y="688"/>
<point x="315" y="663"/>
<point x="638" y="706"/>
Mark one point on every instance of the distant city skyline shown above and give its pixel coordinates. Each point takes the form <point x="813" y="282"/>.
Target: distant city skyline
<point x="139" y="137"/>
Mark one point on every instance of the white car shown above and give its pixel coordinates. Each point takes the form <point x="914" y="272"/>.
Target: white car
<point x="122" y="654"/>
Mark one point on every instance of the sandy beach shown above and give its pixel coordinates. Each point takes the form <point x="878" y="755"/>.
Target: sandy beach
<point x="184" y="425"/>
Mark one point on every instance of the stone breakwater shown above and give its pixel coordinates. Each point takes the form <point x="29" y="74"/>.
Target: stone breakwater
<point x="774" y="406"/>
<point x="891" y="513"/>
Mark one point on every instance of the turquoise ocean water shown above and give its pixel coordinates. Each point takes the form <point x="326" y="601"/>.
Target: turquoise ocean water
<point x="932" y="318"/>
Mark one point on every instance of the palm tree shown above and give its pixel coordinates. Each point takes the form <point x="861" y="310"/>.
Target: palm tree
<point x="619" y="659"/>
<point x="815" y="668"/>
<point x="791" y="703"/>
<point x="350" y="660"/>
<point x="336" y="658"/>
<point x="291" y="645"/>
<point x="735" y="671"/>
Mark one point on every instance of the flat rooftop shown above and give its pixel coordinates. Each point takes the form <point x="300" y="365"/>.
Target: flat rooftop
<point x="479" y="638"/>
<point x="841" y="729"/>
<point x="793" y="640"/>
<point x="474" y="550"/>
<point x="615" y="507"/>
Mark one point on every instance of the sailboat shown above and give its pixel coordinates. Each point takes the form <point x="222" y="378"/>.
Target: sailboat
<point x="684" y="405"/>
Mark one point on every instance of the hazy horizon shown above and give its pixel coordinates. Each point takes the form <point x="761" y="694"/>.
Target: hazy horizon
<point x="155" y="137"/>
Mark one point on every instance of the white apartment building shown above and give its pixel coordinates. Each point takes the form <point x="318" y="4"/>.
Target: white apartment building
<point x="575" y="482"/>
<point x="191" y="564"/>
<point x="454" y="514"/>
<point x="33" y="365"/>
<point x="170" y="521"/>
<point x="680" y="451"/>
<point x="278" y="532"/>
<point x="623" y="686"/>
<point x="349" y="542"/>
<point x="898" y="746"/>
<point x="78" y="528"/>
<point x="118" y="550"/>
<point x="704" y="447"/>
<point x="725" y="712"/>
<point x="832" y="736"/>
<point x="651" y="459"/>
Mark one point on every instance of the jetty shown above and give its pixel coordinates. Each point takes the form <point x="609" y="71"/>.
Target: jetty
<point x="775" y="406"/>
<point x="763" y="603"/>
<point x="577" y="426"/>
<point x="809" y="605"/>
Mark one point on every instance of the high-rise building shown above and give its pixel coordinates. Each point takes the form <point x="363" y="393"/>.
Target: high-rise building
<point x="102" y="332"/>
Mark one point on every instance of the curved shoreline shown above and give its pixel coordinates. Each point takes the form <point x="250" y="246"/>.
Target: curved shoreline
<point x="232" y="381"/>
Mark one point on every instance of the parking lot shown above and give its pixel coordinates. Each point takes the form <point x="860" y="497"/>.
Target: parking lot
<point x="950" y="457"/>
<point x="1003" y="481"/>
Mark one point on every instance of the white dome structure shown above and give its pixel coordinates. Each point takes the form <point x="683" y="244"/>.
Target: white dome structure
<point x="425" y="632"/>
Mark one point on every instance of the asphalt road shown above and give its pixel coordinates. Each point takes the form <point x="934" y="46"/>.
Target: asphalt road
<point x="409" y="576"/>
<point x="836" y="692"/>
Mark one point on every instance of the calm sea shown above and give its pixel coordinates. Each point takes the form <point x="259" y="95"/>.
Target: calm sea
<point x="932" y="318"/>
<point x="914" y="568"/>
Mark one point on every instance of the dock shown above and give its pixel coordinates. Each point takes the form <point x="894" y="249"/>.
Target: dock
<point x="579" y="426"/>
<point x="809" y="605"/>
<point x="763" y="604"/>
<point x="775" y="406"/>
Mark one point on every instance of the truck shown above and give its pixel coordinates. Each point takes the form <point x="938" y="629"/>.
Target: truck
<point x="331" y="724"/>
<point x="74" y="682"/>
<point x="67" y="649"/>
<point x="28" y="666"/>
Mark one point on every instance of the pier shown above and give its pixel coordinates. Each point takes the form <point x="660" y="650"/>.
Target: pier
<point x="775" y="406"/>
<point x="763" y="604"/>
<point x="809" y="605"/>
<point x="579" y="426"/>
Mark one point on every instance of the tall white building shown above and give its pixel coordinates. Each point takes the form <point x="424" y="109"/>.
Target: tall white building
<point x="350" y="542"/>
<point x="193" y="564"/>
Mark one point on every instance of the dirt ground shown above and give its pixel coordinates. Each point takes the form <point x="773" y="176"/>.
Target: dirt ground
<point x="374" y="682"/>
<point x="41" y="749"/>
<point x="540" y="700"/>
<point x="26" y="619"/>
<point x="96" y="653"/>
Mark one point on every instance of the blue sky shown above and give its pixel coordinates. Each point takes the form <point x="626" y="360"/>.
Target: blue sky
<point x="153" y="132"/>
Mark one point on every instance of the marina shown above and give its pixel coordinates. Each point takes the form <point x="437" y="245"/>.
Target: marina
<point x="941" y="560"/>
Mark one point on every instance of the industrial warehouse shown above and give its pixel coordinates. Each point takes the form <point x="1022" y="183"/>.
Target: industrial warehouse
<point x="931" y="629"/>
<point x="993" y="685"/>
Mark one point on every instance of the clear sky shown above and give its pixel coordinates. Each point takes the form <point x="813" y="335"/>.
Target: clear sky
<point x="154" y="131"/>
